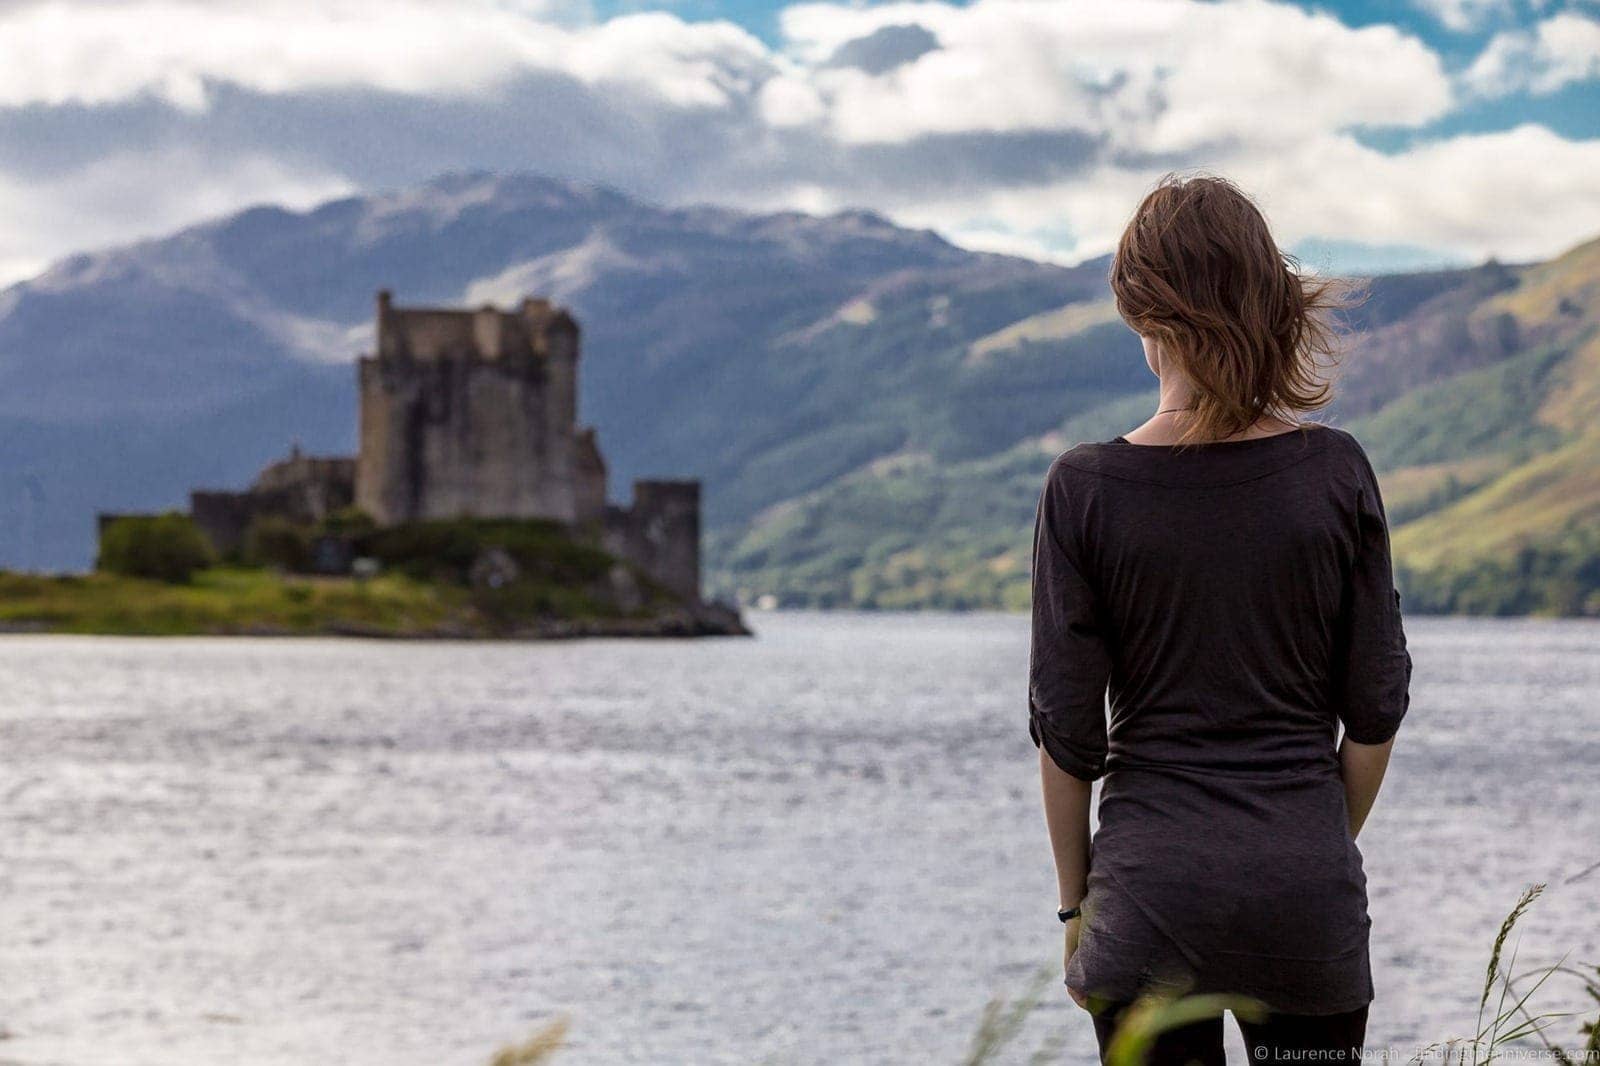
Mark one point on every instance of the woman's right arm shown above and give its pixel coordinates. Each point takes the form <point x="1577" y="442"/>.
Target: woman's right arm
<point x="1068" y="669"/>
<point x="1362" y="766"/>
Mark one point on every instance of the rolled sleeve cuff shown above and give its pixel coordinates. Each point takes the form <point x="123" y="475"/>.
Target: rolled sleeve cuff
<point x="1379" y="720"/>
<point x="1073" y="759"/>
<point x="1378" y="731"/>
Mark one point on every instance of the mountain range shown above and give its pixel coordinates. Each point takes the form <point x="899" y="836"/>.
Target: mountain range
<point x="871" y="408"/>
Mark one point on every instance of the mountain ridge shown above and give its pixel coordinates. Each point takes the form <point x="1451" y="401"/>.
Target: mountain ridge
<point x="869" y="406"/>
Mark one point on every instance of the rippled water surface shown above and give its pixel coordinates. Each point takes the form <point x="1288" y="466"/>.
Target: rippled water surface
<point x="822" y="845"/>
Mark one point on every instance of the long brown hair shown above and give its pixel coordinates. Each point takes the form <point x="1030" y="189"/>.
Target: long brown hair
<point x="1198" y="272"/>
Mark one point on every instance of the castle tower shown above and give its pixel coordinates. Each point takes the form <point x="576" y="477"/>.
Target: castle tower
<point x="660" y="533"/>
<point x="474" y="413"/>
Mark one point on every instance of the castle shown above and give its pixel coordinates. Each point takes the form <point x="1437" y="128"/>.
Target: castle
<point x="472" y="413"/>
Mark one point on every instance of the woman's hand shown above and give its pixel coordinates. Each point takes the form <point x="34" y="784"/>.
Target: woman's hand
<point x="1066" y="814"/>
<point x="1072" y="930"/>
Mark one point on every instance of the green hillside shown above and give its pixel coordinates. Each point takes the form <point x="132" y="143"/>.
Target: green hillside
<point x="870" y="409"/>
<point x="1477" y="394"/>
<point x="1507" y="460"/>
<point x="913" y="530"/>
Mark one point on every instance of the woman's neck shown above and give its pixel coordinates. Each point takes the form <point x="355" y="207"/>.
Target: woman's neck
<point x="1163" y="430"/>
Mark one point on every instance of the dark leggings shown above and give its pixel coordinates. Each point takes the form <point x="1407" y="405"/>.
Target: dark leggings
<point x="1282" y="1038"/>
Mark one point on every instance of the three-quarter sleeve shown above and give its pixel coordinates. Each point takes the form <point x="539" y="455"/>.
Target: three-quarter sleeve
<point x="1374" y="666"/>
<point x="1069" y="664"/>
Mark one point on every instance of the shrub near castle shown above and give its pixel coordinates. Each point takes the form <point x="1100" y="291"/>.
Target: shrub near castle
<point x="167" y="547"/>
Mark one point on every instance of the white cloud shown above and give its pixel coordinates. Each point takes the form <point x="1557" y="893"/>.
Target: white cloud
<point x="1476" y="195"/>
<point x="1557" y="51"/>
<point x="788" y="100"/>
<point x="698" y="64"/>
<point x="1157" y="76"/>
<point x="1019" y="125"/>
<point x="1470" y="196"/>
<point x="1198" y="69"/>
<point x="1465" y="15"/>
<point x="61" y="52"/>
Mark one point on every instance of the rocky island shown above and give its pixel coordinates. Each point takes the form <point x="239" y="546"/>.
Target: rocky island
<point x="475" y="507"/>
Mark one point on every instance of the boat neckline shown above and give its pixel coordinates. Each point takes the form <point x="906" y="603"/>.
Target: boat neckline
<point x="1298" y="431"/>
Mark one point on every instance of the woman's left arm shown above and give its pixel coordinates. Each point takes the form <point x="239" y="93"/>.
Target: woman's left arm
<point x="1066" y="814"/>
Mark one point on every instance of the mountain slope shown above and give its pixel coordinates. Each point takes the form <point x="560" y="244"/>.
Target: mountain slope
<point x="871" y="408"/>
<point x="1525" y="535"/>
<point x="1472" y="391"/>
<point x="717" y="344"/>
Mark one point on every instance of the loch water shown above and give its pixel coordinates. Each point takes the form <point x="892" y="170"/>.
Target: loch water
<point x="819" y="845"/>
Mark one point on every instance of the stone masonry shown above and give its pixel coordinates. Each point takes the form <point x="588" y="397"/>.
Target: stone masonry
<point x="474" y="413"/>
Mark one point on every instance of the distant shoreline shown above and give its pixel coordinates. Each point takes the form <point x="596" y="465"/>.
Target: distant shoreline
<point x="230" y="602"/>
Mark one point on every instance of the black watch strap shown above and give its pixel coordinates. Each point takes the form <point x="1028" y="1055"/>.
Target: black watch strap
<point x="1066" y="914"/>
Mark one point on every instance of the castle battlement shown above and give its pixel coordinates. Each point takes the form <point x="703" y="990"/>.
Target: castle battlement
<point x="534" y="332"/>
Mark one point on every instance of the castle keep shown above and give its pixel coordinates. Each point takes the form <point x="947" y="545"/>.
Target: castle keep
<point x="473" y="413"/>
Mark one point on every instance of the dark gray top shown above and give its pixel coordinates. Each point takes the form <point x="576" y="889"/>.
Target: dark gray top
<point x="1237" y="600"/>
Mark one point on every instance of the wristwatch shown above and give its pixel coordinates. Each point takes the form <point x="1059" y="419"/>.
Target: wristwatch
<point x="1066" y="914"/>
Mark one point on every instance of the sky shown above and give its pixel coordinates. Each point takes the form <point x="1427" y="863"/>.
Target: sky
<point x="1376" y="136"/>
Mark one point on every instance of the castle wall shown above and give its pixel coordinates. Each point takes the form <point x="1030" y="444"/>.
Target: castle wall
<point x="384" y="488"/>
<point x="462" y="437"/>
<point x="589" y="472"/>
<point x="300" y="489"/>
<point x="560" y="421"/>
<point x="660" y="533"/>
<point x="326" y="481"/>
<point x="223" y="517"/>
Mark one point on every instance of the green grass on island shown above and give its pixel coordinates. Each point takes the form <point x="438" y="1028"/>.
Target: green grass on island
<point x="450" y="579"/>
<point x="251" y="602"/>
<point x="230" y="600"/>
